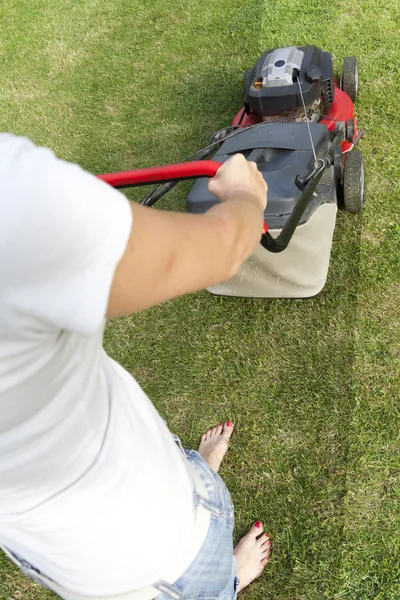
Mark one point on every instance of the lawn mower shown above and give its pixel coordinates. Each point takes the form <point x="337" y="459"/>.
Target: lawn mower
<point x="297" y="123"/>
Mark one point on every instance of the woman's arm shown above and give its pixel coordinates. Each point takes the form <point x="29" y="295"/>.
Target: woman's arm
<point x="170" y="254"/>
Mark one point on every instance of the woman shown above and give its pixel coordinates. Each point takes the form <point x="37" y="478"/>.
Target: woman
<point x="97" y="499"/>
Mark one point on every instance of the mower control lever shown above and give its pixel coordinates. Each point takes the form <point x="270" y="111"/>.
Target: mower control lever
<point x="301" y="182"/>
<point x="311" y="182"/>
<point x="307" y="184"/>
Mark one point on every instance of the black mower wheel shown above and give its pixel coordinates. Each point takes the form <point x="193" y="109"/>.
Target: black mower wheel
<point x="353" y="182"/>
<point x="349" y="79"/>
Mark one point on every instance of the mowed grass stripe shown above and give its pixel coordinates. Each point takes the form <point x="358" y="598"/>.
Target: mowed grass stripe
<point x="371" y="541"/>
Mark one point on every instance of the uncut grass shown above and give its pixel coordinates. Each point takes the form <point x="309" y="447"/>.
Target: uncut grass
<point x="311" y="385"/>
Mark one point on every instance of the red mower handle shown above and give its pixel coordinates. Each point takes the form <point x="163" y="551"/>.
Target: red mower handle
<point x="190" y="170"/>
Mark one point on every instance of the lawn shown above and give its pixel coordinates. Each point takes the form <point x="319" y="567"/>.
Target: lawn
<point x="313" y="386"/>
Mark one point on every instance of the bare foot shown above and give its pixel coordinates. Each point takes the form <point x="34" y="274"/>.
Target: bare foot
<point x="252" y="554"/>
<point x="214" y="444"/>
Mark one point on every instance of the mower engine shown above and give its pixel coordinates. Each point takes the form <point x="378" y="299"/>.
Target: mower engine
<point x="286" y="81"/>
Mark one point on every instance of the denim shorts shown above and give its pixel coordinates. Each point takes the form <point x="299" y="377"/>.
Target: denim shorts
<point x="212" y="574"/>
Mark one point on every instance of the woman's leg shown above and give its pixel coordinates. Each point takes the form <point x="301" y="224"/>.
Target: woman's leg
<point x="253" y="551"/>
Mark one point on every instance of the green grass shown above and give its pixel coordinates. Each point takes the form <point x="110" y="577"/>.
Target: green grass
<point x="312" y="385"/>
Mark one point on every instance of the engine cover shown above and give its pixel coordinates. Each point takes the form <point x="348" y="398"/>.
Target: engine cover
<point x="272" y="86"/>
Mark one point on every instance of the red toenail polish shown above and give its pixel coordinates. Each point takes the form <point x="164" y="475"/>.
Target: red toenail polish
<point x="258" y="523"/>
<point x="228" y="424"/>
<point x="220" y="425"/>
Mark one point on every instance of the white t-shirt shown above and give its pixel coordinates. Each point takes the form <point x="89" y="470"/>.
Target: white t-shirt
<point x="93" y="490"/>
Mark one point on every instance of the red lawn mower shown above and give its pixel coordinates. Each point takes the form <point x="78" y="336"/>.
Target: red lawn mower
<point x="298" y="125"/>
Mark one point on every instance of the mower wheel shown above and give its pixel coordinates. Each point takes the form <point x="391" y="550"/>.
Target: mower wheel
<point x="353" y="182"/>
<point x="349" y="79"/>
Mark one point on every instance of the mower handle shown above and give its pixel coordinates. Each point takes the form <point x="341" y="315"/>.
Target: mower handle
<point x="189" y="170"/>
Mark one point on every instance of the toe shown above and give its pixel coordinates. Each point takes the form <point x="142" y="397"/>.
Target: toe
<point x="265" y="551"/>
<point x="256" y="529"/>
<point x="263" y="540"/>
<point x="228" y="429"/>
<point x="266" y="546"/>
<point x="219" y="429"/>
<point x="265" y="558"/>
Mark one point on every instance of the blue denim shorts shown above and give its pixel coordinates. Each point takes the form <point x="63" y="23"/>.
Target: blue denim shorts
<point x="212" y="574"/>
